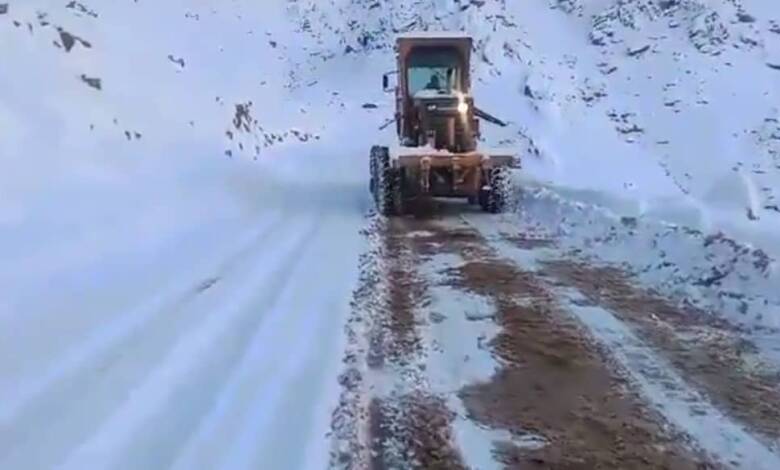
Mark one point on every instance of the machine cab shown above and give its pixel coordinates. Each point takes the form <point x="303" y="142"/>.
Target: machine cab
<point x="434" y="71"/>
<point x="433" y="101"/>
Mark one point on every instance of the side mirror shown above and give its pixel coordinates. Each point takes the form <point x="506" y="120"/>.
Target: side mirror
<point x="387" y="86"/>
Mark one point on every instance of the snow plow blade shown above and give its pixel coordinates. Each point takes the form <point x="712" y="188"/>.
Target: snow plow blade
<point x="401" y="177"/>
<point x="445" y="174"/>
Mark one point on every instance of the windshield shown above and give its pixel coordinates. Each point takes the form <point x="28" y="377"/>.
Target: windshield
<point x="440" y="80"/>
<point x="434" y="71"/>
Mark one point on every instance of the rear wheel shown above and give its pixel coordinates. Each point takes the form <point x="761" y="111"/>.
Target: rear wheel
<point x="397" y="192"/>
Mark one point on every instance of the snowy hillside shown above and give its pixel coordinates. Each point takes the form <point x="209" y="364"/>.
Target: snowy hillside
<point x="166" y="167"/>
<point x="638" y="108"/>
<point x="629" y="86"/>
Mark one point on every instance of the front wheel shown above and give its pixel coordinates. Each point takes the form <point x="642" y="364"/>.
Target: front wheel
<point x="499" y="194"/>
<point x="385" y="183"/>
<point x="377" y="154"/>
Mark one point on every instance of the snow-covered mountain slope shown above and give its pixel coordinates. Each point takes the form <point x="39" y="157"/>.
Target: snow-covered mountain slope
<point x="647" y="100"/>
<point x="659" y="104"/>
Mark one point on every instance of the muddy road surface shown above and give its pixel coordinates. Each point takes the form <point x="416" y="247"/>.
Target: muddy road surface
<point x="473" y="344"/>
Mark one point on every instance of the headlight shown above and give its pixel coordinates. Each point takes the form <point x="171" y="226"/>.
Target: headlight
<point x="463" y="107"/>
<point x="432" y="107"/>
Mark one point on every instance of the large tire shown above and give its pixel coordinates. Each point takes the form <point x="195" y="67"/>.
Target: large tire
<point x="499" y="197"/>
<point x="376" y="153"/>
<point x="482" y="198"/>
<point x="372" y="180"/>
<point x="384" y="181"/>
<point x="398" y="196"/>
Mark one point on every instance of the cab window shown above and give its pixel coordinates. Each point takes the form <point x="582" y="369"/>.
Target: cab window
<point x="433" y="70"/>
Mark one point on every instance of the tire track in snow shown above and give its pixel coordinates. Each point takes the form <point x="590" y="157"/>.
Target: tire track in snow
<point x="13" y="401"/>
<point x="22" y="422"/>
<point x="257" y="439"/>
<point x="186" y="381"/>
<point x="253" y="397"/>
<point x="408" y="420"/>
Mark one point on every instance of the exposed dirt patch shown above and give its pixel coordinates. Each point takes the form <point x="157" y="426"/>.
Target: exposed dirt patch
<point x="351" y="449"/>
<point x="407" y="426"/>
<point x="405" y="292"/>
<point x="413" y="431"/>
<point x="555" y="383"/>
<point x="712" y="355"/>
<point x="432" y="240"/>
<point x="378" y="430"/>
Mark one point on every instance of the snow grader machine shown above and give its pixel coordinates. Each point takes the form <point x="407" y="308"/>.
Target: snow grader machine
<point x="437" y="124"/>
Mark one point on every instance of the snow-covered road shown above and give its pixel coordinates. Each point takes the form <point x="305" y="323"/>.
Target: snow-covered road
<point x="231" y="364"/>
<point x="477" y="342"/>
